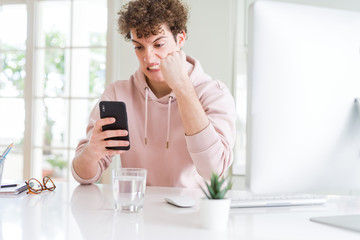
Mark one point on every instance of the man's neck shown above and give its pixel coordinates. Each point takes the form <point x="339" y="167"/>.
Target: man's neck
<point x="160" y="89"/>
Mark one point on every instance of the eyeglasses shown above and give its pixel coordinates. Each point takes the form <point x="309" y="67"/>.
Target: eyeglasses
<point x="35" y="186"/>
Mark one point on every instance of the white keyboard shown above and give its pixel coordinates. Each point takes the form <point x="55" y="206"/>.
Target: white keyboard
<point x="248" y="200"/>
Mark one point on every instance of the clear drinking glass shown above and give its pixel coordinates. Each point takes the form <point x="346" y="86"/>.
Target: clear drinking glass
<point x="129" y="189"/>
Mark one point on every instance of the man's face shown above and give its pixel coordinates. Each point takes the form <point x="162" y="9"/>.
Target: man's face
<point x="151" y="50"/>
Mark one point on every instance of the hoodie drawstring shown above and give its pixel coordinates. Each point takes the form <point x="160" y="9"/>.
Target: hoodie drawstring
<point x="146" y="117"/>
<point x="146" y="111"/>
<point x="168" y="123"/>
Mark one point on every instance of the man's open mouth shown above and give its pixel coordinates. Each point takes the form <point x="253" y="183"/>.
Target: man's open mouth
<point x="154" y="67"/>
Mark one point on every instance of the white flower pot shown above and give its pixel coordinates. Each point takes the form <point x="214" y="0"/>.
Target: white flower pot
<point x="214" y="213"/>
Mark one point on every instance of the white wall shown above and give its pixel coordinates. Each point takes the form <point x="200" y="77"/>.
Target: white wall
<point x="210" y="36"/>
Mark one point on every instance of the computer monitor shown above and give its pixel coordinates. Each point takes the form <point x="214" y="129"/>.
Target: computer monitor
<point x="303" y="126"/>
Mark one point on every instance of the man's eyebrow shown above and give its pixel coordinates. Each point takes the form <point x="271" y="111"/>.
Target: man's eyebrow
<point x="135" y="41"/>
<point x="157" y="39"/>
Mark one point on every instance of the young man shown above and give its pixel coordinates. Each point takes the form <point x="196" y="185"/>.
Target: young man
<point x="181" y="122"/>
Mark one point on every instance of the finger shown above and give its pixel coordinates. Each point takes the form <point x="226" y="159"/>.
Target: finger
<point x="116" y="143"/>
<point x="101" y="122"/>
<point x="114" y="152"/>
<point x="158" y="56"/>
<point x="113" y="133"/>
<point x="169" y="54"/>
<point x="106" y="121"/>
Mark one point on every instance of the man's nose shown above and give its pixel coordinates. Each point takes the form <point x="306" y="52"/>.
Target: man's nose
<point x="149" y="55"/>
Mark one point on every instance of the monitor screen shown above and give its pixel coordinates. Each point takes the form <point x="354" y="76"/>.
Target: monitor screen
<point x="303" y="126"/>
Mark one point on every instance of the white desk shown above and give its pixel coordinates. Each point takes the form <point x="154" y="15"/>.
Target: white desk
<point x="86" y="212"/>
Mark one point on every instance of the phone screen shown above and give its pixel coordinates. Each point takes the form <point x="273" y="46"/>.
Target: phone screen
<point x="118" y="111"/>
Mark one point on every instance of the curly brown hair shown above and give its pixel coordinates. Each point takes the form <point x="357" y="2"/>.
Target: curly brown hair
<point x="147" y="16"/>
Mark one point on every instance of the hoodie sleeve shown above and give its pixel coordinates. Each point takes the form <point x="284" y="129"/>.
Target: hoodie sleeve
<point x="104" y="162"/>
<point x="212" y="148"/>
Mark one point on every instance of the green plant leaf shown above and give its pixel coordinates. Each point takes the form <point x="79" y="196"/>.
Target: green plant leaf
<point x="211" y="191"/>
<point x="214" y="180"/>
<point x="220" y="184"/>
<point x="221" y="194"/>
<point x="206" y="194"/>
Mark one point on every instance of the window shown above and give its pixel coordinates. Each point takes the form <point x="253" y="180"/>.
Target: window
<point x="65" y="58"/>
<point x="240" y="83"/>
<point x="12" y="84"/>
<point x="70" y="57"/>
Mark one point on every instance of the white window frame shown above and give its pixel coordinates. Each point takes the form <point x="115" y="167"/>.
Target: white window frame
<point x="31" y="167"/>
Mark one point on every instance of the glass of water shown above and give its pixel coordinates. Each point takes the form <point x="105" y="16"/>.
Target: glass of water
<point x="129" y="189"/>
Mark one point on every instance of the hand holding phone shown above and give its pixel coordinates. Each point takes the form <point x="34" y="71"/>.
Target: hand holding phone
<point x="116" y="110"/>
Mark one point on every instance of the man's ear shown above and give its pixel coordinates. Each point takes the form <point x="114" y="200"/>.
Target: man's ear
<point x="180" y="39"/>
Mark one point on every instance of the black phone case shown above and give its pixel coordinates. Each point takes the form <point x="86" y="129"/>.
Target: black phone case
<point x="118" y="111"/>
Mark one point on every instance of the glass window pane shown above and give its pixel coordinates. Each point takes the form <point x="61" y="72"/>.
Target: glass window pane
<point x="12" y="73"/>
<point x="12" y="121"/>
<point x="51" y="123"/>
<point x="80" y="110"/>
<point x="88" y="72"/>
<point x="52" y="75"/>
<point x="54" y="23"/>
<point x="54" y="163"/>
<point x="12" y="80"/>
<point x="13" y="35"/>
<point x="89" y="23"/>
<point x="12" y="126"/>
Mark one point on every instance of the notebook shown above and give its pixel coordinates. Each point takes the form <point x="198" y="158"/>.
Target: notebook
<point x="349" y="222"/>
<point x="13" y="190"/>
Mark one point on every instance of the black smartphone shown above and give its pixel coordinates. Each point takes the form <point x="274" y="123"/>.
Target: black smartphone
<point x="118" y="111"/>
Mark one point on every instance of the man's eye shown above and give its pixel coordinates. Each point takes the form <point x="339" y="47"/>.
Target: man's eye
<point x="159" y="45"/>
<point x="137" y="47"/>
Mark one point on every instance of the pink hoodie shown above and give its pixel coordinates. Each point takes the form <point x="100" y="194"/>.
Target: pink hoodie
<point x="187" y="158"/>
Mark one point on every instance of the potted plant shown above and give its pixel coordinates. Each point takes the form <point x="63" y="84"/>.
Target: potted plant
<point x="215" y="207"/>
